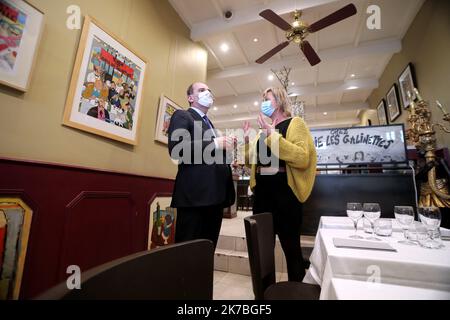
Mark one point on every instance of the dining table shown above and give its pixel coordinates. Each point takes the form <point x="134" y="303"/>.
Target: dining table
<point x="348" y="269"/>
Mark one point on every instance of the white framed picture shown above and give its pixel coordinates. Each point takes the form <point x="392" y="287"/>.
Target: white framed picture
<point x="381" y="111"/>
<point x="407" y="83"/>
<point x="21" y="26"/>
<point x="392" y="102"/>
<point x="167" y="108"/>
<point x="162" y="221"/>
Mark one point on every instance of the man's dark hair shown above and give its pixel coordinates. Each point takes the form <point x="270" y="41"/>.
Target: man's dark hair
<point x="190" y="91"/>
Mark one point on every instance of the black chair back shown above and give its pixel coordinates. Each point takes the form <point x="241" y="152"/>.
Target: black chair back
<point x="176" y="272"/>
<point x="261" y="252"/>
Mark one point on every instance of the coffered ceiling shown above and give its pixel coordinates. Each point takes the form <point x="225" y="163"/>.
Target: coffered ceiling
<point x="334" y="91"/>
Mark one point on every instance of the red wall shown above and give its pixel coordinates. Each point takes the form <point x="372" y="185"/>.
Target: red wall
<point x="80" y="216"/>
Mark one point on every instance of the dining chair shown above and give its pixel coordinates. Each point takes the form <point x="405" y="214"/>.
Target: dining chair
<point x="181" y="271"/>
<point x="261" y="252"/>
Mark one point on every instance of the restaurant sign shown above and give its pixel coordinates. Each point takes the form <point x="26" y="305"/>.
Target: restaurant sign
<point x="360" y="145"/>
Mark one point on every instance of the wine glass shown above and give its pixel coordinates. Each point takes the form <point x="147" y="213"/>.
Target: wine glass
<point x="355" y="213"/>
<point x="405" y="217"/>
<point x="431" y="218"/>
<point x="372" y="212"/>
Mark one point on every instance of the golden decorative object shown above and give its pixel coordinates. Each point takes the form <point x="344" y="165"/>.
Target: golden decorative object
<point x="423" y="135"/>
<point x="429" y="199"/>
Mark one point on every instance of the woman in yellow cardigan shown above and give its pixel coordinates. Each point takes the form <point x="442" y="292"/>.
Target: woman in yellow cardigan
<point x="283" y="189"/>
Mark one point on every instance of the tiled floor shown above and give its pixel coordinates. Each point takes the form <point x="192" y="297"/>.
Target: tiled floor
<point x="235" y="227"/>
<point x="229" y="286"/>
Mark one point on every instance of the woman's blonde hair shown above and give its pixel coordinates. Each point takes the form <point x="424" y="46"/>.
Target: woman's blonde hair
<point x="281" y="98"/>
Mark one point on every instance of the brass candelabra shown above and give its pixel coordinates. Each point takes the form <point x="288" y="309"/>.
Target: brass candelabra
<point x="423" y="135"/>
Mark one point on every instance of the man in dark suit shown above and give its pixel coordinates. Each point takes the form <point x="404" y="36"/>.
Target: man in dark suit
<point x="204" y="185"/>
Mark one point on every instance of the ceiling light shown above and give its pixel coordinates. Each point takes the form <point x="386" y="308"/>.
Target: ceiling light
<point x="270" y="77"/>
<point x="235" y="106"/>
<point x="352" y="75"/>
<point x="255" y="40"/>
<point x="224" y="47"/>
<point x="296" y="24"/>
<point x="215" y="109"/>
<point x="325" y="113"/>
<point x="256" y="103"/>
<point x="352" y="88"/>
<point x="293" y="83"/>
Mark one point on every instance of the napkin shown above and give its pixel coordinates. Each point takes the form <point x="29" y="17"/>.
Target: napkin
<point x="362" y="244"/>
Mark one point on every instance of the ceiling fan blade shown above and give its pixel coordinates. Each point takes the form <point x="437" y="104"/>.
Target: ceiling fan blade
<point x="310" y="53"/>
<point x="333" y="18"/>
<point x="272" y="52"/>
<point x="275" y="19"/>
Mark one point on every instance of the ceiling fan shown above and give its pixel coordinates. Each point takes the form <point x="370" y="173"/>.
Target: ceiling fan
<point x="299" y="30"/>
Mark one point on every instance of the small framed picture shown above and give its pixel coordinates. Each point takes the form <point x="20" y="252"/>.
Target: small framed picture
<point x="381" y="111"/>
<point x="407" y="83"/>
<point x="393" y="106"/>
<point x="166" y="109"/>
<point x="162" y="221"/>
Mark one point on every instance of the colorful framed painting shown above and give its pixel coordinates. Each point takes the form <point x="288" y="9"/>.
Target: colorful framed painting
<point x="381" y="111"/>
<point x="166" y="109"/>
<point x="106" y="87"/>
<point x="15" y="225"/>
<point x="407" y="83"/>
<point x="393" y="104"/>
<point x="162" y="222"/>
<point x="21" y="26"/>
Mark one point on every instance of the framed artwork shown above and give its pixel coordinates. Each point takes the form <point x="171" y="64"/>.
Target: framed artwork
<point x="106" y="87"/>
<point x="393" y="106"/>
<point x="381" y="111"/>
<point x="407" y="83"/>
<point x="162" y="222"/>
<point x="15" y="224"/>
<point x="166" y="109"/>
<point x="21" y="26"/>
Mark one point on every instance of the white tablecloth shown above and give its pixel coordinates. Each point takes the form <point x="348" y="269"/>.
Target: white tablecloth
<point x="342" y="289"/>
<point x="410" y="266"/>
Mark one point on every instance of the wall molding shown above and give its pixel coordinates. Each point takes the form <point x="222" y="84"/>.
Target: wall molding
<point x="75" y="167"/>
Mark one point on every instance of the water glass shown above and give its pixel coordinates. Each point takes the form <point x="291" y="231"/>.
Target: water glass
<point x="372" y="212"/>
<point x="355" y="213"/>
<point x="417" y="233"/>
<point x="383" y="227"/>
<point x="367" y="226"/>
<point x="405" y="217"/>
<point x="431" y="219"/>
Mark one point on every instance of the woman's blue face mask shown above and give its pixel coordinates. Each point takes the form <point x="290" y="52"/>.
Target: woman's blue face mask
<point x="267" y="109"/>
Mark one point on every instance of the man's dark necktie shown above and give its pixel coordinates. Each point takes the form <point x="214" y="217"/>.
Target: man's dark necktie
<point x="205" y="118"/>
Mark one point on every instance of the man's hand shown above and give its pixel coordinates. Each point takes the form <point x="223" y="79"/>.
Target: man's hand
<point x="225" y="142"/>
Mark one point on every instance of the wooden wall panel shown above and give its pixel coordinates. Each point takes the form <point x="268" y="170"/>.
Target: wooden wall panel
<point x="80" y="216"/>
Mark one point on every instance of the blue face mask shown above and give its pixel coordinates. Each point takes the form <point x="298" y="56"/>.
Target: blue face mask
<point x="267" y="109"/>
